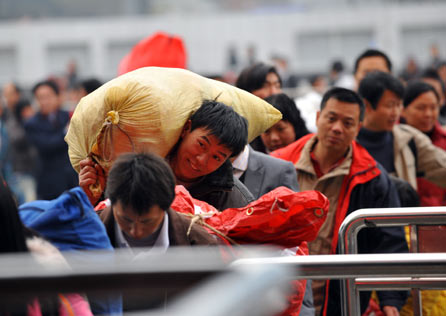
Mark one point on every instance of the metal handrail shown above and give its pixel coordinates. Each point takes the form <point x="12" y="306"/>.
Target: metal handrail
<point x="363" y="218"/>
<point x="173" y="270"/>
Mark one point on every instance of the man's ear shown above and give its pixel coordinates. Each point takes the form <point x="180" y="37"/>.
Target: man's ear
<point x="318" y="114"/>
<point x="368" y="106"/>
<point x="186" y="128"/>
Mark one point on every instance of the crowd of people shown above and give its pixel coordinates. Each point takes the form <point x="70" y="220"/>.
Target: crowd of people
<point x="375" y="141"/>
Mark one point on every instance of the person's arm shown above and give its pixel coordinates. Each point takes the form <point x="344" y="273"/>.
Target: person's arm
<point x="288" y="177"/>
<point x="431" y="160"/>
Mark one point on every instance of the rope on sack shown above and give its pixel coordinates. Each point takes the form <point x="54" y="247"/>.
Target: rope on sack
<point x="199" y="218"/>
<point x="278" y="207"/>
<point x="113" y="119"/>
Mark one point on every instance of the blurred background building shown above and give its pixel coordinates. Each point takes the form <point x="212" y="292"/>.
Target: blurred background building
<point x="84" y="38"/>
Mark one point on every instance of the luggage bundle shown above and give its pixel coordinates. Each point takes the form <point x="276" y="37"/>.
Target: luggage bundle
<point x="145" y="111"/>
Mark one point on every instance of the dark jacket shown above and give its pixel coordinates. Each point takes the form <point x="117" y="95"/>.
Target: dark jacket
<point x="221" y="189"/>
<point x="367" y="186"/>
<point x="55" y="173"/>
<point x="178" y="226"/>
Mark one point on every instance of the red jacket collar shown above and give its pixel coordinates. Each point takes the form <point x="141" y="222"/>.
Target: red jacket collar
<point x="361" y="158"/>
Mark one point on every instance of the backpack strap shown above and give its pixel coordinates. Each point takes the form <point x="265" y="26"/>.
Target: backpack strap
<point x="414" y="150"/>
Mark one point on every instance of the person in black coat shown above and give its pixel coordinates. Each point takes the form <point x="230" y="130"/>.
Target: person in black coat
<point x="46" y="131"/>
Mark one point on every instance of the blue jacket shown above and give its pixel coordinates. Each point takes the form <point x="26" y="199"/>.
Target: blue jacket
<point x="70" y="223"/>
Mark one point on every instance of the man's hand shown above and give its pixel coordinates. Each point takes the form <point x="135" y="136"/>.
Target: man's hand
<point x="391" y="311"/>
<point x="91" y="179"/>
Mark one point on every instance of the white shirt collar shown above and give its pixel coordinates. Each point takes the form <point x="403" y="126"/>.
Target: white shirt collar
<point x="240" y="164"/>
<point x="161" y="243"/>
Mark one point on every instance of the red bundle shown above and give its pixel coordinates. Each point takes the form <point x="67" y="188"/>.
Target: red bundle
<point x="281" y="217"/>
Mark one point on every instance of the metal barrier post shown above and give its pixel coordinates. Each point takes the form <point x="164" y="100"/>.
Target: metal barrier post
<point x="359" y="219"/>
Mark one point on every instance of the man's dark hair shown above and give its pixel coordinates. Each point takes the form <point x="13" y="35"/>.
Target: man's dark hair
<point x="224" y="123"/>
<point x="289" y="111"/>
<point x="432" y="73"/>
<point x="344" y="95"/>
<point x="90" y="85"/>
<point x="373" y="53"/>
<point x="415" y="89"/>
<point x="141" y="181"/>
<point x="375" y="83"/>
<point x="337" y="66"/>
<point x="50" y="83"/>
<point x="253" y="77"/>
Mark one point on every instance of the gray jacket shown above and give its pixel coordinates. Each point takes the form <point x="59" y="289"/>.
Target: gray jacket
<point x="266" y="173"/>
<point x="429" y="162"/>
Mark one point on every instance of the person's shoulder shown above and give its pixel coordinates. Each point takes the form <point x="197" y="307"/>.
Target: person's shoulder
<point x="405" y="129"/>
<point x="381" y="181"/>
<point x="104" y="213"/>
<point x="293" y="150"/>
<point x="270" y="160"/>
<point x="197" y="235"/>
<point x="33" y="120"/>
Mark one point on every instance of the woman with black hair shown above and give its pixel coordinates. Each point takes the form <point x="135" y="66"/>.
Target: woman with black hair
<point x="260" y="79"/>
<point x="290" y="128"/>
<point x="421" y="110"/>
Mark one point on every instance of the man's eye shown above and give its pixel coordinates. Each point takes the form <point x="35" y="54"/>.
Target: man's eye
<point x="201" y="144"/>
<point x="217" y="158"/>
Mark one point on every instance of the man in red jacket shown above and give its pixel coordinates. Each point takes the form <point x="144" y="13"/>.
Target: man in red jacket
<point x="333" y="163"/>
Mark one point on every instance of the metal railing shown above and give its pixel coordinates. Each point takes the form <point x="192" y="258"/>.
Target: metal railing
<point x="205" y="277"/>
<point x="364" y="218"/>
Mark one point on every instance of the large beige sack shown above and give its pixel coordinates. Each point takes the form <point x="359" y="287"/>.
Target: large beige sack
<point x="145" y="110"/>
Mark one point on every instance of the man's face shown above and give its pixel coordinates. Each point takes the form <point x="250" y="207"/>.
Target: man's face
<point x="199" y="153"/>
<point x="423" y="112"/>
<point x="47" y="99"/>
<point x="386" y="114"/>
<point x="270" y="86"/>
<point x="337" y="125"/>
<point x="138" y="226"/>
<point x="370" y="64"/>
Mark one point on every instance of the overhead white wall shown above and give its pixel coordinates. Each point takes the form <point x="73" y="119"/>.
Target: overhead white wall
<point x="32" y="50"/>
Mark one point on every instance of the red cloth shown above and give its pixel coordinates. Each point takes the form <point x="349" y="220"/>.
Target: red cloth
<point x="159" y="50"/>
<point x="431" y="194"/>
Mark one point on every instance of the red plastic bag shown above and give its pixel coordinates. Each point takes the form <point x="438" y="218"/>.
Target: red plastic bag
<point x="281" y="217"/>
<point x="160" y="50"/>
